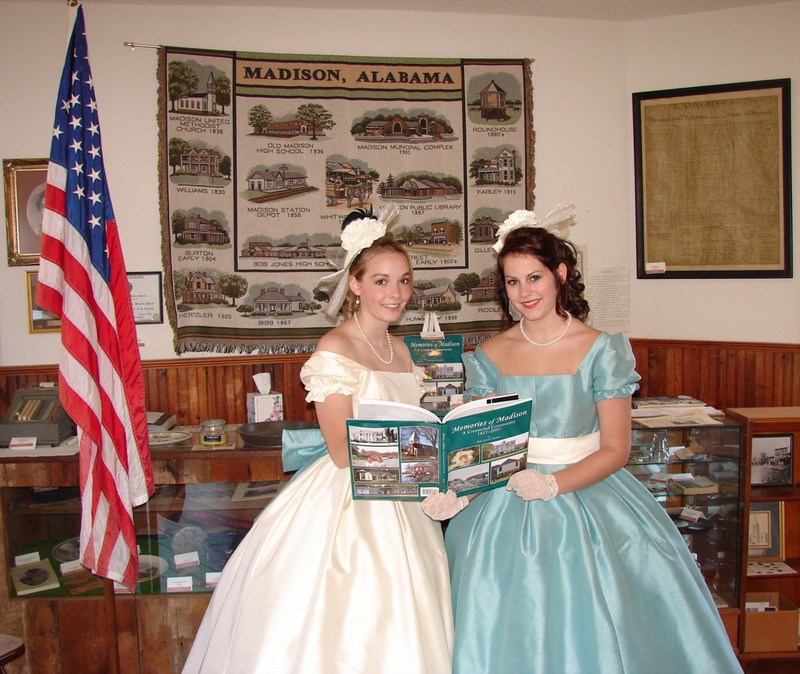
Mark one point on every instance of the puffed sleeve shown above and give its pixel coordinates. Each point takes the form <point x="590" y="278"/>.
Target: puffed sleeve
<point x="327" y="373"/>
<point x="480" y="373"/>
<point x="614" y="375"/>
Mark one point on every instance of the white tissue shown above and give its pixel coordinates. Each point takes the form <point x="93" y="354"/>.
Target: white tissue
<point x="263" y="382"/>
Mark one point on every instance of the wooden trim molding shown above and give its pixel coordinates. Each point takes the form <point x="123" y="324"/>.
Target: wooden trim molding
<point x="722" y="374"/>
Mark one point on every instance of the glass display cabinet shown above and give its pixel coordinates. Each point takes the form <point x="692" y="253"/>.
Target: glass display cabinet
<point x="185" y="534"/>
<point x="694" y="472"/>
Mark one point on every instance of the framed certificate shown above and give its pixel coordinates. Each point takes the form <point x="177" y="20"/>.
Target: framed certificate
<point x="146" y="296"/>
<point x="713" y="181"/>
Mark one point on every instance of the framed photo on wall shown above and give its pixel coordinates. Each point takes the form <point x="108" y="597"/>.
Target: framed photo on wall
<point x="24" y="183"/>
<point x="765" y="532"/>
<point x="771" y="460"/>
<point x="713" y="181"/>
<point x="39" y="320"/>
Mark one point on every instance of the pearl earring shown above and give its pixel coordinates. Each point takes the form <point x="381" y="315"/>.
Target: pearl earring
<point x="358" y="300"/>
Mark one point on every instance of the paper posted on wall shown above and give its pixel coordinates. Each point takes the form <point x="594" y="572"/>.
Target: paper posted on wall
<point x="404" y="452"/>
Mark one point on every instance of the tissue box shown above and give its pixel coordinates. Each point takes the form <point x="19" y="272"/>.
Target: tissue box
<point x="264" y="407"/>
<point x="770" y="631"/>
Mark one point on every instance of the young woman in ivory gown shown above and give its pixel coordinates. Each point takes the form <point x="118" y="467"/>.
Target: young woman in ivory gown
<point x="574" y="568"/>
<point x="321" y="583"/>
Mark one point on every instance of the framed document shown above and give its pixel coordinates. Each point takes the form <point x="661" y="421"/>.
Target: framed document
<point x="765" y="532"/>
<point x="146" y="293"/>
<point x="713" y="181"/>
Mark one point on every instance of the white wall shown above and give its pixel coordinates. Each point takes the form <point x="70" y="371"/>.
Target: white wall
<point x="583" y="76"/>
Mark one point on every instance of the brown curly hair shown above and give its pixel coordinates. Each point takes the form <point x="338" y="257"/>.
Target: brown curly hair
<point x="551" y="251"/>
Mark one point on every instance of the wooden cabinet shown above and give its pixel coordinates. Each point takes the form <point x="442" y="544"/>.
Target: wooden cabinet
<point x="153" y="629"/>
<point x="771" y="498"/>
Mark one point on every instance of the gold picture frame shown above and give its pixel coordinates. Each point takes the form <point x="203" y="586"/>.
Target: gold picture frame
<point x="713" y="179"/>
<point x="24" y="182"/>
<point x="39" y="320"/>
<point x="765" y="532"/>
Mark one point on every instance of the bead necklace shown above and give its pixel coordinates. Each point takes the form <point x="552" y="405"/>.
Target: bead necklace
<point x="374" y="350"/>
<point x="552" y="341"/>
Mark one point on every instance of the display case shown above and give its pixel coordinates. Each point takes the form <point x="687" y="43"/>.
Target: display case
<point x="695" y="472"/>
<point x="185" y="534"/>
<point x="205" y="499"/>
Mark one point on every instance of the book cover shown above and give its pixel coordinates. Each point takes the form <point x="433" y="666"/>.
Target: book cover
<point x="666" y="401"/>
<point x="160" y="421"/>
<point x="443" y="371"/>
<point x="405" y="452"/>
<point x="698" y="484"/>
<point x="34" y="577"/>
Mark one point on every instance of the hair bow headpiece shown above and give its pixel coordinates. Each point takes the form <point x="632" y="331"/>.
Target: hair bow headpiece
<point x="555" y="220"/>
<point x="356" y="236"/>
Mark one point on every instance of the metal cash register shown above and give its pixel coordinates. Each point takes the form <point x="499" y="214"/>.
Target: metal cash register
<point x="36" y="412"/>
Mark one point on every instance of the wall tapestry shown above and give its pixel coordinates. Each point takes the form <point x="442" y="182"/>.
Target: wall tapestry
<point x="262" y="155"/>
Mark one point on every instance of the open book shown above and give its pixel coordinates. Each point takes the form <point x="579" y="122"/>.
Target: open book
<point x="405" y="452"/>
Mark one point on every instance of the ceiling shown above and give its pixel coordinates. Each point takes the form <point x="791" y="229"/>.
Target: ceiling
<point x="607" y="10"/>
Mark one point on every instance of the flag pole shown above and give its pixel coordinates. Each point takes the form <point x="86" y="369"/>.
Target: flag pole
<point x="111" y="625"/>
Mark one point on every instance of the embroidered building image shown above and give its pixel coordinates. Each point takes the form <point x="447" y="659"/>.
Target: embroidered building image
<point x="345" y="182"/>
<point x="484" y="230"/>
<point x="487" y="290"/>
<point x="198" y="102"/>
<point x="274" y="302"/>
<point x="498" y="170"/>
<point x="201" y="162"/>
<point x="493" y="102"/>
<point x="433" y="298"/>
<point x="418" y="188"/>
<point x="269" y="184"/>
<point x="399" y="127"/>
<point x="301" y="251"/>
<point x="202" y="289"/>
<point x="197" y="229"/>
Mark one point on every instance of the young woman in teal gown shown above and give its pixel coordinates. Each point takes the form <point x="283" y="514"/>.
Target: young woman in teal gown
<point x="322" y="583"/>
<point x="574" y="568"/>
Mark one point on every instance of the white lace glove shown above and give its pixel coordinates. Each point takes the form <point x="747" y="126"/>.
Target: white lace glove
<point x="531" y="485"/>
<point x="441" y="506"/>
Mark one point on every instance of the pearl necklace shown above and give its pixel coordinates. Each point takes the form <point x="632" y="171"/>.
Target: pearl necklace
<point x="552" y="341"/>
<point x="374" y="350"/>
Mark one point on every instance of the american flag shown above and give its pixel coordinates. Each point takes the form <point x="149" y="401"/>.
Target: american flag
<point x="82" y="279"/>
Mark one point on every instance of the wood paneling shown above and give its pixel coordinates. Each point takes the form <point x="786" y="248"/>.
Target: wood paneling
<point x="722" y="374"/>
<point x="194" y="389"/>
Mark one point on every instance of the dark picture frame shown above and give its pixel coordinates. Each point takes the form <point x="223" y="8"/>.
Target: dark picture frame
<point x="771" y="460"/>
<point x="765" y="532"/>
<point x="24" y="182"/>
<point x="713" y="181"/>
<point x="146" y="288"/>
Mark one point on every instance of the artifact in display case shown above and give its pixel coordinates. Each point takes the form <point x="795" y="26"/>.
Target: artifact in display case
<point x="185" y="535"/>
<point x="694" y="473"/>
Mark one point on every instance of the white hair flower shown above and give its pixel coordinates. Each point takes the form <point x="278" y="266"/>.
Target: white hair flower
<point x="556" y="219"/>
<point x="514" y="221"/>
<point x="361" y="234"/>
